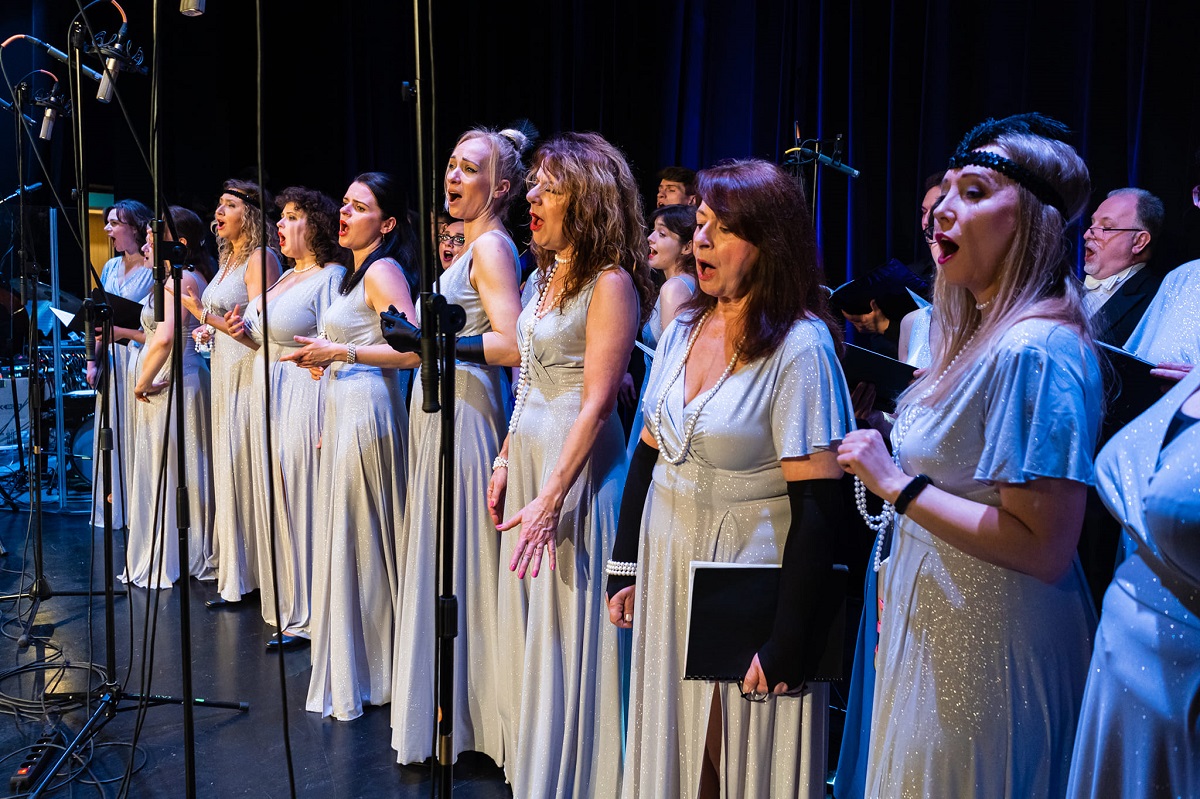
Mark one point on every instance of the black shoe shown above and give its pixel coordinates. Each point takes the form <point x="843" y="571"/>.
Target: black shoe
<point x="218" y="602"/>
<point x="281" y="641"/>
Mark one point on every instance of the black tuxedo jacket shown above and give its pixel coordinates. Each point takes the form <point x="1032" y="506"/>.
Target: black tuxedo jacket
<point x="1117" y="318"/>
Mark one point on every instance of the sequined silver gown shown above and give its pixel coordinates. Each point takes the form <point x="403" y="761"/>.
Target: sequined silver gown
<point x="727" y="501"/>
<point x="152" y="550"/>
<point x="234" y="409"/>
<point x="651" y="332"/>
<point x="558" y="686"/>
<point x="297" y="410"/>
<point x="362" y="489"/>
<point x="1139" y="735"/>
<point x="1169" y="331"/>
<point x="981" y="668"/>
<point x="482" y="400"/>
<point x="122" y="412"/>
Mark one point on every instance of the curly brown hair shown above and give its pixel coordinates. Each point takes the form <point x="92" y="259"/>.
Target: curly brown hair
<point x="603" y="215"/>
<point x="321" y="224"/>
<point x="765" y="206"/>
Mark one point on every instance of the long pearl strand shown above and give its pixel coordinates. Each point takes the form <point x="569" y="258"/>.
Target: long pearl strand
<point x="527" y="346"/>
<point x="880" y="524"/>
<point x="689" y="424"/>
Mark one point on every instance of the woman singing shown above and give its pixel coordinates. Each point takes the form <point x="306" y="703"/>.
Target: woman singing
<point x="363" y="450"/>
<point x="744" y="406"/>
<point x="238" y="224"/>
<point x="562" y="467"/>
<point x="482" y="177"/>
<point x="987" y="620"/>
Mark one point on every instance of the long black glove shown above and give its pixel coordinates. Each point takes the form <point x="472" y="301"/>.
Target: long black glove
<point x="633" y="501"/>
<point x="403" y="336"/>
<point x="805" y="610"/>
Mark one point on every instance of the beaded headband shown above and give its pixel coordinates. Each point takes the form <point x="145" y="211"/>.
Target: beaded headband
<point x="248" y="199"/>
<point x="1032" y="124"/>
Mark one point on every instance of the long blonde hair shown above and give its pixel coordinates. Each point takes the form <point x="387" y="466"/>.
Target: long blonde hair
<point x="251" y="229"/>
<point x="1035" y="273"/>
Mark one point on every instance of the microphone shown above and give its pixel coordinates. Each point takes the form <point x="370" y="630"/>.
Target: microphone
<point x="833" y="163"/>
<point x="117" y="58"/>
<point x="54" y="102"/>
<point x="57" y="54"/>
<point x="30" y="189"/>
<point x="191" y="8"/>
<point x="89" y="326"/>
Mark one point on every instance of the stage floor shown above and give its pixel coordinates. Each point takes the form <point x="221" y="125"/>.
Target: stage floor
<point x="237" y="754"/>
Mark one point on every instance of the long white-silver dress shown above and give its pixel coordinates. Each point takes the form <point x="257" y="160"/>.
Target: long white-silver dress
<point x="134" y="285"/>
<point x="362" y="489"/>
<point x="297" y="411"/>
<point x="234" y="409"/>
<point x="152" y="550"/>
<point x="1139" y="732"/>
<point x="482" y="400"/>
<point x="727" y="501"/>
<point x="558" y="685"/>
<point x="981" y="668"/>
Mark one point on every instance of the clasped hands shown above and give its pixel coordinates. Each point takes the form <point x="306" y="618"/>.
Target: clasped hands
<point x="315" y="355"/>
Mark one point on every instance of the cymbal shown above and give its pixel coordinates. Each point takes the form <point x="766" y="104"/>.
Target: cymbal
<point x="67" y="301"/>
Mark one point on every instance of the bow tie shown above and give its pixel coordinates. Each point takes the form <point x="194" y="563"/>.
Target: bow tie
<point x="1108" y="284"/>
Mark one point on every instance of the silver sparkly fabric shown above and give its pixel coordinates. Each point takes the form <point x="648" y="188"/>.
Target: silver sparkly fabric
<point x="296" y="413"/>
<point x="558" y="683"/>
<point x="1138" y="734"/>
<point x="919" y="353"/>
<point x="482" y="399"/>
<point x="362" y="489"/>
<point x="981" y="668"/>
<point x="727" y="501"/>
<point x="651" y="332"/>
<point x="1170" y="329"/>
<point x="122" y="412"/>
<point x="152" y="551"/>
<point x="234" y="409"/>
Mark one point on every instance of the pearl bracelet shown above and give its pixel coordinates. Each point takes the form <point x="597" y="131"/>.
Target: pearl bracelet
<point x="351" y="354"/>
<point x="203" y="315"/>
<point x="616" y="568"/>
<point x="499" y="462"/>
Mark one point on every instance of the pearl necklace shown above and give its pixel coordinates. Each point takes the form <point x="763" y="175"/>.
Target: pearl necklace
<point x="904" y="422"/>
<point x="689" y="425"/>
<point x="980" y="306"/>
<point x="527" y="346"/>
<point x="296" y="271"/>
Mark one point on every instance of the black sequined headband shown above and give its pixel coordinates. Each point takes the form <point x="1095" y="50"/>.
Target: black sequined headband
<point x="998" y="163"/>
<point x="248" y="199"/>
<point x="988" y="131"/>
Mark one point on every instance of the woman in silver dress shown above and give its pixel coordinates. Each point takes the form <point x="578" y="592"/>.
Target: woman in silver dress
<point x="364" y="444"/>
<point x="483" y="175"/>
<point x="987" y="620"/>
<point x="239" y="227"/>
<point x="152" y="552"/>
<point x="307" y="230"/>
<point x="559" y="474"/>
<point x="126" y="275"/>
<point x="745" y="405"/>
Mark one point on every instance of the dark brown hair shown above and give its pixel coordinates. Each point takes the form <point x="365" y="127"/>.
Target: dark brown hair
<point x="681" y="221"/>
<point x="134" y="214"/>
<point x="189" y="230"/>
<point x="321" y="224"/>
<point x="763" y="205"/>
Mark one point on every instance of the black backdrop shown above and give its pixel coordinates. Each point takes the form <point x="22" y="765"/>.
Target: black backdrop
<point x="670" y="81"/>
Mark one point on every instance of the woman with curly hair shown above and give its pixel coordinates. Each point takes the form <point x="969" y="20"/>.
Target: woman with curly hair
<point x="987" y="619"/>
<point x="307" y="230"/>
<point x="238" y="224"/>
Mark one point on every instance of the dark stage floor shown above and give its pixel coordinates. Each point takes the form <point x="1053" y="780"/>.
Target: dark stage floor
<point x="237" y="754"/>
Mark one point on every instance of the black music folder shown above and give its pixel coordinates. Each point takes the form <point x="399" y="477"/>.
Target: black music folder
<point x="1129" y="387"/>
<point x="890" y="376"/>
<point x="125" y="313"/>
<point x="731" y="612"/>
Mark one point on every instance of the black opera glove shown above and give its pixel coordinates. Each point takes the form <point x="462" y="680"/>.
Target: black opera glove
<point x="633" y="501"/>
<point x="400" y="334"/>
<point x="803" y="616"/>
<point x="470" y="349"/>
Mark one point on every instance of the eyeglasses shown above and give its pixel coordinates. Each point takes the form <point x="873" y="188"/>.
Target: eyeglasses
<point x="458" y="239"/>
<point x="1097" y="230"/>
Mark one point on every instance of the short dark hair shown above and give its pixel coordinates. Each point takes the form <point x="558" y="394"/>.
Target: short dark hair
<point x="933" y="180"/>
<point x="679" y="174"/>
<point x="321" y="228"/>
<point x="680" y="220"/>
<point x="134" y="214"/>
<point x="1151" y="212"/>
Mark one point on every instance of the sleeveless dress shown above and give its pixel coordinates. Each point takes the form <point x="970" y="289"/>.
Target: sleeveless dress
<point x="727" y="501"/>
<point x="558" y="685"/>
<point x="981" y="668"/>
<point x="651" y="332"/>
<point x="297" y="410"/>
<point x="482" y="400"/>
<point x="1139" y="735"/>
<point x="152" y="550"/>
<point x="362" y="488"/>
<point x="234" y="409"/>
<point x="122" y="411"/>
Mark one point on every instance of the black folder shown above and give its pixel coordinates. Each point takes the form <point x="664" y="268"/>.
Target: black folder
<point x="1129" y="387"/>
<point x="125" y="313"/>
<point x="731" y="612"/>
<point x="890" y="376"/>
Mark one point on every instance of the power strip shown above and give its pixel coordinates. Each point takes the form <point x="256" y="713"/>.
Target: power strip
<point x="41" y="754"/>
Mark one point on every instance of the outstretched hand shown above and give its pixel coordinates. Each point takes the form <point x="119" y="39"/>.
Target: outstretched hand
<point x="539" y="525"/>
<point x="317" y="353"/>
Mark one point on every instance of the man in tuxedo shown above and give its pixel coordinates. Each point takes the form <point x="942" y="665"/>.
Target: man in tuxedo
<point x="1118" y="285"/>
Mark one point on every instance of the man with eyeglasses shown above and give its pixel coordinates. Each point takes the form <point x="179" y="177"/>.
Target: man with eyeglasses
<point x="1118" y="285"/>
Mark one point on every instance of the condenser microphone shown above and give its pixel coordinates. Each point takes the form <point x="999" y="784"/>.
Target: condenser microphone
<point x="191" y="8"/>
<point x="54" y="102"/>
<point x="112" y="65"/>
<point x="57" y="54"/>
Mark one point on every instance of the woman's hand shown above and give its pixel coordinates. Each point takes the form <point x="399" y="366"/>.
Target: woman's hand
<point x="192" y="302"/>
<point x="862" y="453"/>
<point x="755" y="681"/>
<point x="620" y="609"/>
<point x="497" y="488"/>
<point x="1173" y="372"/>
<point x="236" y="323"/>
<point x="539" y="525"/>
<point x="316" y="353"/>
<point x="316" y="372"/>
<point x="91" y="373"/>
<point x="202" y="335"/>
<point x="142" y="391"/>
